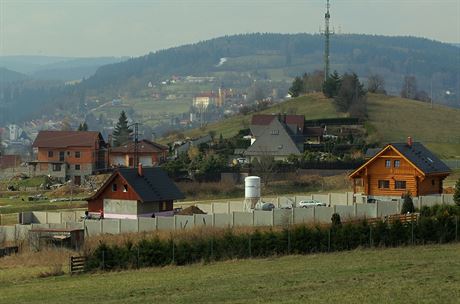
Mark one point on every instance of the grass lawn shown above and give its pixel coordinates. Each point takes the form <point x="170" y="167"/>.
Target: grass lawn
<point x="437" y="128"/>
<point x="424" y="274"/>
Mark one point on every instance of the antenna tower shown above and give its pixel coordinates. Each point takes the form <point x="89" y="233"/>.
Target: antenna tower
<point x="327" y="35"/>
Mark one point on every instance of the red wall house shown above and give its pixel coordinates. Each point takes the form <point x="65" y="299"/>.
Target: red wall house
<point x="133" y="193"/>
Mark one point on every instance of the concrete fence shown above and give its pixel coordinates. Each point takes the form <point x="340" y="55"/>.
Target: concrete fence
<point x="230" y="214"/>
<point x="257" y="218"/>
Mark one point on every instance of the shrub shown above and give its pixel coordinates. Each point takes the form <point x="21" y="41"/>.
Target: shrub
<point x="457" y="193"/>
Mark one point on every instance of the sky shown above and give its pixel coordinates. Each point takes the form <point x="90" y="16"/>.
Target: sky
<point x="85" y="28"/>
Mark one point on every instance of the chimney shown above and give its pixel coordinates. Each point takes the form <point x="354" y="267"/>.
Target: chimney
<point x="140" y="172"/>
<point x="409" y="141"/>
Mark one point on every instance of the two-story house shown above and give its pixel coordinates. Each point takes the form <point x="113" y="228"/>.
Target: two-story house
<point x="69" y="155"/>
<point x="399" y="168"/>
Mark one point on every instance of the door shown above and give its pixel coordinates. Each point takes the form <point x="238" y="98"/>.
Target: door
<point x="77" y="180"/>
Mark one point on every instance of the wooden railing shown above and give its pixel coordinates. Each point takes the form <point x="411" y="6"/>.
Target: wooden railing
<point x="77" y="264"/>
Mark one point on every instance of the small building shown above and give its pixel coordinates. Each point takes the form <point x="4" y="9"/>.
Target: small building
<point x="150" y="154"/>
<point x="69" y="155"/>
<point x="130" y="193"/>
<point x="399" y="168"/>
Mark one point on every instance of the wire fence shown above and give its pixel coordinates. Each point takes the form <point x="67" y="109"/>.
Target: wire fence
<point x="290" y="240"/>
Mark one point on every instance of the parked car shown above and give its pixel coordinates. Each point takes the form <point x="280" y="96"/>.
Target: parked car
<point x="311" y="203"/>
<point x="264" y="206"/>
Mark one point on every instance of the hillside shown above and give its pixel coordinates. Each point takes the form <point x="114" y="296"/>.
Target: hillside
<point x="395" y="118"/>
<point x="390" y="119"/>
<point x="7" y="76"/>
<point x="359" y="276"/>
<point x="280" y="57"/>
<point x="314" y="104"/>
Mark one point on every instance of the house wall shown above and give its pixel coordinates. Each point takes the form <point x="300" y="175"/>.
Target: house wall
<point x="95" y="205"/>
<point x="87" y="161"/>
<point x="147" y="159"/>
<point x="430" y="185"/>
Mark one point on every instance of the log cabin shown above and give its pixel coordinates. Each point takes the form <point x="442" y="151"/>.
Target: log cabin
<point x="400" y="168"/>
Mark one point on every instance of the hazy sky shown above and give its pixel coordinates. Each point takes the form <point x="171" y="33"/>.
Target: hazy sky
<point x="135" y="27"/>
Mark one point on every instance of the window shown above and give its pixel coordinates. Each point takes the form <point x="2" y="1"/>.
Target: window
<point x="163" y="206"/>
<point x="397" y="163"/>
<point x="68" y="153"/>
<point x="61" y="156"/>
<point x="50" y="154"/>
<point x="56" y="167"/>
<point x="433" y="182"/>
<point x="400" y="184"/>
<point x="77" y="154"/>
<point x="114" y="187"/>
<point x="77" y="167"/>
<point x="388" y="163"/>
<point x="275" y="132"/>
<point x="384" y="184"/>
<point x="125" y="188"/>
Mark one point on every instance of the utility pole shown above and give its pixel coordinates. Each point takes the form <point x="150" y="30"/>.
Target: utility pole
<point x="136" y="145"/>
<point x="327" y="35"/>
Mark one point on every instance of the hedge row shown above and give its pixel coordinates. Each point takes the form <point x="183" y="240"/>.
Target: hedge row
<point x="442" y="228"/>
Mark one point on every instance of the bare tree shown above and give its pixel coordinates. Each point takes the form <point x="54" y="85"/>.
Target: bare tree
<point x="409" y="87"/>
<point x="376" y="84"/>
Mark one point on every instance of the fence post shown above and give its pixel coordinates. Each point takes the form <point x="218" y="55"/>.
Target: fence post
<point x="250" y="246"/>
<point x="371" y="242"/>
<point x="456" y="228"/>
<point x="289" y="240"/>
<point x="173" y="253"/>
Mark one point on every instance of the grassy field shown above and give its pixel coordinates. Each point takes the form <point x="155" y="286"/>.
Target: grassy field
<point x="425" y="274"/>
<point x="437" y="128"/>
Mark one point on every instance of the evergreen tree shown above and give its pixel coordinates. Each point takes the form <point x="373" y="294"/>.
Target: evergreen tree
<point x="122" y="131"/>
<point x="332" y="85"/>
<point x="351" y="91"/>
<point x="83" y="127"/>
<point x="297" y="87"/>
<point x="457" y="193"/>
<point x="408" y="204"/>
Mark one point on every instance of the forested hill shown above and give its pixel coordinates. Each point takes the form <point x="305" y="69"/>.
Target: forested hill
<point x="7" y="76"/>
<point x="392" y="57"/>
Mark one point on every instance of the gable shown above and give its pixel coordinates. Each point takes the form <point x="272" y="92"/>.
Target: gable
<point x="273" y="141"/>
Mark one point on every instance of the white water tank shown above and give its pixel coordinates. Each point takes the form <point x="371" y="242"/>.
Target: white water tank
<point x="252" y="187"/>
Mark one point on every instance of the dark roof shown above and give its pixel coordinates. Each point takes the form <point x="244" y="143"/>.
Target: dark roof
<point x="145" y="146"/>
<point x="64" y="139"/>
<point x="275" y="140"/>
<point x="266" y="119"/>
<point x="371" y="152"/>
<point x="422" y="158"/>
<point x="154" y="185"/>
<point x="313" y="131"/>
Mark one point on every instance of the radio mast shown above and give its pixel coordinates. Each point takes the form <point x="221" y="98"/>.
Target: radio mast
<point x="327" y="35"/>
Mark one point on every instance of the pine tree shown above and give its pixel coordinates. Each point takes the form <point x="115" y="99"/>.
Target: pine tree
<point x="332" y="85"/>
<point x="408" y="204"/>
<point x="122" y="130"/>
<point x="457" y="193"/>
<point x="83" y="127"/>
<point x="297" y="87"/>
